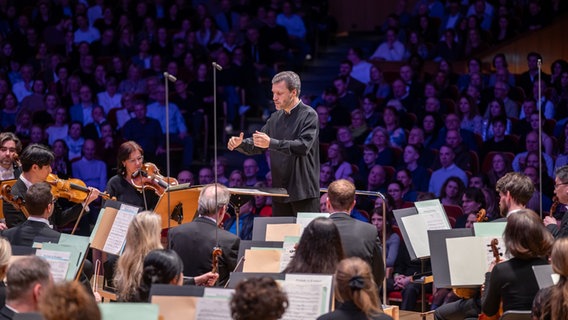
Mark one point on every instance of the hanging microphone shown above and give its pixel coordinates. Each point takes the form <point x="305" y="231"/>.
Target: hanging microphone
<point x="170" y="77"/>
<point x="217" y="66"/>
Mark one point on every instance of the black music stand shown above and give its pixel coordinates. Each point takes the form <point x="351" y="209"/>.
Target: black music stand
<point x="240" y="196"/>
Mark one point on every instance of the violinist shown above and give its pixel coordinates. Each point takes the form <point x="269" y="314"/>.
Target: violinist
<point x="10" y="147"/>
<point x="36" y="166"/>
<point x="561" y="192"/>
<point x="130" y="158"/>
<point x="513" y="282"/>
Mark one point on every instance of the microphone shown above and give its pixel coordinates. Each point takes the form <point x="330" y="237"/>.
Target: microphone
<point x="217" y="66"/>
<point x="170" y="77"/>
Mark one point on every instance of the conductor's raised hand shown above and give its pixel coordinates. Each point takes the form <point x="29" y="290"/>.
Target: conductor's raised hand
<point x="235" y="141"/>
<point x="261" y="139"/>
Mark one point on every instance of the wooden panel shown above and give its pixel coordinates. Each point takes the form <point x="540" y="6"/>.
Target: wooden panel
<point x="547" y="41"/>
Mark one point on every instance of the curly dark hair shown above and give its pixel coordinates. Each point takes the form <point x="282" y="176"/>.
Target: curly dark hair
<point x="258" y="298"/>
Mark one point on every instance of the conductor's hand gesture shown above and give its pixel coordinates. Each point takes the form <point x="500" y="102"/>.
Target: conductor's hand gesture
<point x="235" y="142"/>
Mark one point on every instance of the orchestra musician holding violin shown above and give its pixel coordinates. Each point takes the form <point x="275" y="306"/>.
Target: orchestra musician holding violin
<point x="36" y="167"/>
<point x="10" y="147"/>
<point x="127" y="185"/>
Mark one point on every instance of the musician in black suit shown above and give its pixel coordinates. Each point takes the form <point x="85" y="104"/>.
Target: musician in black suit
<point x="36" y="166"/>
<point x="359" y="239"/>
<point x="194" y="242"/>
<point x="39" y="204"/>
<point x="10" y="147"/>
<point x="29" y="278"/>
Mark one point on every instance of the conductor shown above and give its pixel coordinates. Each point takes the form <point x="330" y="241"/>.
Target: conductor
<point x="292" y="136"/>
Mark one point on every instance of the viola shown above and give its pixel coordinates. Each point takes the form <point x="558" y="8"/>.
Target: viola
<point x="74" y="190"/>
<point x="149" y="177"/>
<point x="17" y="202"/>
<point x="497" y="257"/>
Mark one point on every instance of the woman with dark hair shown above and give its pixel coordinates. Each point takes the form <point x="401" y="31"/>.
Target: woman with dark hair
<point x="393" y="240"/>
<point x="258" y="298"/>
<point x="336" y="159"/>
<point x="319" y="249"/>
<point x="130" y="158"/>
<point x="452" y="191"/>
<point x="500" y="165"/>
<point x="496" y="108"/>
<point x="408" y="191"/>
<point x="161" y="266"/>
<point x="513" y="282"/>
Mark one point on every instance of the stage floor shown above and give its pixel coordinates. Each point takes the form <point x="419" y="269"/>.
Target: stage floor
<point x="409" y="315"/>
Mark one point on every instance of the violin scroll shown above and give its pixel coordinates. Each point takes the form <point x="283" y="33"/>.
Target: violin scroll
<point x="149" y="177"/>
<point x="217" y="252"/>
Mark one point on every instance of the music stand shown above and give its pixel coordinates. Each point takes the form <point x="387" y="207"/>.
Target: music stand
<point x="183" y="199"/>
<point x="240" y="196"/>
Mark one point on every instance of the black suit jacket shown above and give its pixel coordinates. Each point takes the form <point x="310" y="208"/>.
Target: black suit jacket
<point x="562" y="230"/>
<point x="59" y="217"/>
<point x="25" y="233"/>
<point x="361" y="239"/>
<point x="194" y="243"/>
<point x="6" y="314"/>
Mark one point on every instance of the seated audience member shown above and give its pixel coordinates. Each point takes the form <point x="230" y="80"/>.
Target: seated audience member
<point x="258" y="298"/>
<point x="394" y="189"/>
<point x="326" y="175"/>
<point x="336" y="159"/>
<point x="531" y="144"/>
<point x="393" y="239"/>
<point x="411" y="156"/>
<point x="408" y="192"/>
<point x="194" y="242"/>
<point x="61" y="166"/>
<point x="89" y="169"/>
<point x="40" y="205"/>
<point x="28" y="279"/>
<point x="143" y="236"/>
<point x="186" y="176"/>
<point x="390" y="50"/>
<point x="319" y="249"/>
<point x="500" y="141"/>
<point x="262" y="207"/>
<point x="447" y="170"/>
<point x="380" y="138"/>
<point x="513" y="282"/>
<point x="452" y="191"/>
<point x="550" y="303"/>
<point x="245" y="221"/>
<point x="68" y="300"/>
<point x="356" y="292"/>
<point x="500" y="165"/>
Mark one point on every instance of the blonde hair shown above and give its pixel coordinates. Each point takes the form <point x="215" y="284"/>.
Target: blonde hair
<point x="5" y="254"/>
<point x="354" y="282"/>
<point x="143" y="236"/>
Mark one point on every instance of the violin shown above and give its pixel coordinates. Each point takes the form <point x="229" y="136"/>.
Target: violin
<point x="497" y="257"/>
<point x="73" y="190"/>
<point x="149" y="177"/>
<point x="18" y="202"/>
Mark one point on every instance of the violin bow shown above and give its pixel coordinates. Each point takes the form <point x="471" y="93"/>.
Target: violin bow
<point x="83" y="205"/>
<point x="217" y="249"/>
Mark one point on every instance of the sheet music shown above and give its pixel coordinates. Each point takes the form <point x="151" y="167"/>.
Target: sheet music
<point x="58" y="262"/>
<point x="434" y="214"/>
<point x="466" y="261"/>
<point x="304" y="218"/>
<point x="416" y="228"/>
<point x="117" y="234"/>
<point x="309" y="295"/>
<point x="289" y="249"/>
<point x="214" y="304"/>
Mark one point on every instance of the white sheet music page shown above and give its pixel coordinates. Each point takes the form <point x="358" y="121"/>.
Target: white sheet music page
<point x="58" y="262"/>
<point x="309" y="296"/>
<point x="434" y="214"/>
<point x="117" y="235"/>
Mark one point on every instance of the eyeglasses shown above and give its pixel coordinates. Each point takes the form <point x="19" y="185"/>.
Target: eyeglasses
<point x="559" y="184"/>
<point x="139" y="159"/>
